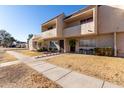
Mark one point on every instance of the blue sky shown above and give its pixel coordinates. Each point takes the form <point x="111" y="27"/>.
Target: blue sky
<point x="20" y="21"/>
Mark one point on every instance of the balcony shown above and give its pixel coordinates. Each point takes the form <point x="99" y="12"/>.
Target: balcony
<point x="88" y="28"/>
<point x="83" y="29"/>
<point x="49" y="33"/>
<point x="72" y="31"/>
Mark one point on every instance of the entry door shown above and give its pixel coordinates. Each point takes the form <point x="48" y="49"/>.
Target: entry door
<point x="72" y="49"/>
<point x="61" y="44"/>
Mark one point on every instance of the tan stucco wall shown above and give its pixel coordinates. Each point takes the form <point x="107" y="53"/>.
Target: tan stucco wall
<point x="87" y="28"/>
<point x="110" y="18"/>
<point x="120" y="43"/>
<point x="60" y="25"/>
<point x="106" y="40"/>
<point x="72" y="31"/>
<point x="49" y="34"/>
<point x="74" y="28"/>
<point x="31" y="45"/>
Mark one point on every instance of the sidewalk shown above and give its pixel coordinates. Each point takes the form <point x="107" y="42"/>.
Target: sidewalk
<point x="64" y="77"/>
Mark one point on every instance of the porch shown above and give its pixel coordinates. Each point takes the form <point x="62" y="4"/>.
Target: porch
<point x="91" y="45"/>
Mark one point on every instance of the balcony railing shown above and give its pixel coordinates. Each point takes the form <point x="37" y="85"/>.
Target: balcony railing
<point x="72" y="31"/>
<point x="49" y="33"/>
<point x="87" y="28"/>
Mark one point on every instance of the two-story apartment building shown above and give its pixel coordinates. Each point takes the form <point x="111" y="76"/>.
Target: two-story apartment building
<point x="93" y="26"/>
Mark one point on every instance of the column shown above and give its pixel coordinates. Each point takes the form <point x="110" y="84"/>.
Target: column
<point x="65" y="45"/>
<point x="115" y="44"/>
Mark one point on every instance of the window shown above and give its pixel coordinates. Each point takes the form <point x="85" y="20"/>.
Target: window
<point x="90" y="19"/>
<point x="87" y="43"/>
<point x="83" y="21"/>
<point x="50" y="28"/>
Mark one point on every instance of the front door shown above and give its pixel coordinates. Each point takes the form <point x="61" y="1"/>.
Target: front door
<point x="61" y="44"/>
<point x="72" y="44"/>
<point x="72" y="49"/>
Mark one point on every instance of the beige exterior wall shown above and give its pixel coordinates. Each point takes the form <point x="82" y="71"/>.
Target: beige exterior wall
<point x="78" y="30"/>
<point x="107" y="19"/>
<point x="106" y="40"/>
<point x="72" y="31"/>
<point x="75" y="28"/>
<point x="49" y="33"/>
<point x="56" y="32"/>
<point x="110" y="19"/>
<point x="87" y="28"/>
<point x="31" y="47"/>
<point x="60" y="26"/>
<point x="120" y="44"/>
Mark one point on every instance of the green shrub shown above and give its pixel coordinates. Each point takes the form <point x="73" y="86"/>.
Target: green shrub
<point x="72" y="42"/>
<point x="107" y="51"/>
<point x="50" y="49"/>
<point x="53" y="49"/>
<point x="40" y="50"/>
<point x="44" y="49"/>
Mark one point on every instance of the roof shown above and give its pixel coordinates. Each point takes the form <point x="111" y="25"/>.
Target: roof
<point x="81" y="10"/>
<point x="53" y="18"/>
<point x="77" y="12"/>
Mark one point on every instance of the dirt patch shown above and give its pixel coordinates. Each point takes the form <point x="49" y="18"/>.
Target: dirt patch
<point x="5" y="57"/>
<point x="107" y="68"/>
<point x="22" y="76"/>
<point x="29" y="53"/>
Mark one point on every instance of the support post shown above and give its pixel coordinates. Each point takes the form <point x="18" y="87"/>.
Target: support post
<point x="65" y="45"/>
<point x="115" y="44"/>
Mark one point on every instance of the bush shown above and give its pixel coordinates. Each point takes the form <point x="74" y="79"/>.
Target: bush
<point x="50" y="49"/>
<point x="108" y="51"/>
<point x="72" y="42"/>
<point x="40" y="50"/>
<point x="44" y="49"/>
<point x="53" y="49"/>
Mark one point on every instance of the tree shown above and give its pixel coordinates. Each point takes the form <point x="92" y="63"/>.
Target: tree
<point x="72" y="42"/>
<point x="6" y="39"/>
<point x="29" y="37"/>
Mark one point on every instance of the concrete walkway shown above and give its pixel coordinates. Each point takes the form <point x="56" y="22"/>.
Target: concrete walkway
<point x="64" y="77"/>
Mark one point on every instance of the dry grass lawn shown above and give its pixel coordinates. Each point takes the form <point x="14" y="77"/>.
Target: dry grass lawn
<point x="29" y="53"/>
<point x="22" y="76"/>
<point x="5" y="57"/>
<point x="107" y="68"/>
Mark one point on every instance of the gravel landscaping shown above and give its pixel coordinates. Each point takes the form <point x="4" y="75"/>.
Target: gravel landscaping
<point x="107" y="68"/>
<point x="22" y="76"/>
